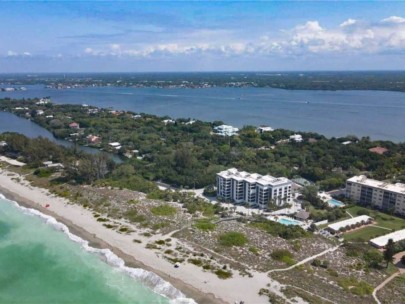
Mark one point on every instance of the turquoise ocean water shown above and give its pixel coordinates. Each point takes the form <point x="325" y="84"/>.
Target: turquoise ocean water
<point x="41" y="262"/>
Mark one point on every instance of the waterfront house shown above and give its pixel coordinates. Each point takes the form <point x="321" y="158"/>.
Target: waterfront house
<point x="115" y="145"/>
<point x="296" y="137"/>
<point x="93" y="139"/>
<point x="74" y="125"/>
<point x="263" y="129"/>
<point x="226" y="130"/>
<point x="378" y="150"/>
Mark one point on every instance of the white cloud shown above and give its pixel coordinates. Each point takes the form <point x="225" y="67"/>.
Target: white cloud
<point x="393" y="19"/>
<point x="16" y="54"/>
<point x="350" y="36"/>
<point x="12" y="54"/>
<point x="348" y="22"/>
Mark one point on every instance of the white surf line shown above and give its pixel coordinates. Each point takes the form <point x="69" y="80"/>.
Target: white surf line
<point x="305" y="260"/>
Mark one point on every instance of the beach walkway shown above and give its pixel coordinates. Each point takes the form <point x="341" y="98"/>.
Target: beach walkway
<point x="401" y="270"/>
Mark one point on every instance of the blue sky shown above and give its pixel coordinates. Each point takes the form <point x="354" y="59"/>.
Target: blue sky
<point x="77" y="36"/>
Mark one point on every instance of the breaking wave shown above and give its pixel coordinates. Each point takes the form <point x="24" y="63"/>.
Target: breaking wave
<point x="147" y="278"/>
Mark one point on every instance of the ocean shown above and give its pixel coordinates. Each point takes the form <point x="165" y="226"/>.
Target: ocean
<point x="42" y="262"/>
<point x="377" y="114"/>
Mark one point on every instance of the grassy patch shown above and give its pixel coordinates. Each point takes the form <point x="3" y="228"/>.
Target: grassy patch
<point x="254" y="250"/>
<point x="369" y="232"/>
<point x="283" y="255"/>
<point x="232" y="238"/>
<point x="196" y="262"/>
<point x="364" y="234"/>
<point x="205" y="225"/>
<point x="163" y="210"/>
<point x="160" y="225"/>
<point x="360" y="288"/>
<point x="382" y="219"/>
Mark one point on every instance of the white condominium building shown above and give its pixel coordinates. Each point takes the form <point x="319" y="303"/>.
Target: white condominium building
<point x="244" y="187"/>
<point x="225" y="130"/>
<point x="371" y="192"/>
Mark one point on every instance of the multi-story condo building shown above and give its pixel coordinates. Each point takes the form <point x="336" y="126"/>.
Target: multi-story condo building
<point x="225" y="130"/>
<point x="254" y="189"/>
<point x="370" y="192"/>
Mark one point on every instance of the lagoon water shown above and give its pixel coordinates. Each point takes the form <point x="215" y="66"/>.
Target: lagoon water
<point x="378" y="114"/>
<point x="40" y="263"/>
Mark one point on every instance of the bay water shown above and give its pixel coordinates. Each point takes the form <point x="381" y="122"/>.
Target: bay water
<point x="378" y="114"/>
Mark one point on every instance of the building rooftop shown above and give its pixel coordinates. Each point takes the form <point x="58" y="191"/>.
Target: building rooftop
<point x="378" y="150"/>
<point x="253" y="177"/>
<point x="348" y="222"/>
<point x="302" y="215"/>
<point x="362" y="179"/>
<point x="396" y="236"/>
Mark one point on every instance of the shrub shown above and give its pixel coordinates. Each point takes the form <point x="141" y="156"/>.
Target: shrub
<point x="196" y="262"/>
<point x="232" y="238"/>
<point x="283" y="255"/>
<point x="316" y="263"/>
<point x="42" y="172"/>
<point x="102" y="219"/>
<point x="204" y="225"/>
<point x="223" y="274"/>
<point x="254" y="250"/>
<point x="163" y="210"/>
<point x="279" y="254"/>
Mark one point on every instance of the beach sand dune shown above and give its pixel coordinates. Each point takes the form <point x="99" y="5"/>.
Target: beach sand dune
<point x="203" y="287"/>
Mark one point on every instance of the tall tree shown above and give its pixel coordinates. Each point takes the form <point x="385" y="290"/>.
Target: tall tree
<point x="389" y="252"/>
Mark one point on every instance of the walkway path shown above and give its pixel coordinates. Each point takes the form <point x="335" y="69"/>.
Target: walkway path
<point x="381" y="227"/>
<point x="387" y="280"/>
<point x="306" y="260"/>
<point x="401" y="270"/>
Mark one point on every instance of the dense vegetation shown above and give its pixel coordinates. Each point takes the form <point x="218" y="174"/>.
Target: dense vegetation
<point x="189" y="155"/>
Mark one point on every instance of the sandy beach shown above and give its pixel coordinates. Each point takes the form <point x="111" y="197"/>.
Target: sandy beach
<point x="203" y="287"/>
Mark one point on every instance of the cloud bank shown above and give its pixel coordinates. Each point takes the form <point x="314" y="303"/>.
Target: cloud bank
<point x="350" y="37"/>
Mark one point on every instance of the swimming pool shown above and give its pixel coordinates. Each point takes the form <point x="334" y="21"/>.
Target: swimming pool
<point x="335" y="203"/>
<point x="288" y="222"/>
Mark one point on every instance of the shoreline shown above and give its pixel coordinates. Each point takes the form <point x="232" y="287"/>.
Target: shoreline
<point x="96" y="242"/>
<point x="201" y="286"/>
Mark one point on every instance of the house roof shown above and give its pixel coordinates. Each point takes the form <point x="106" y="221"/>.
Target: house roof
<point x="302" y="214"/>
<point x="378" y="150"/>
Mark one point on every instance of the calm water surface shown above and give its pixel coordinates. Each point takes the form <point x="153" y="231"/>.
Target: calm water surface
<point x="380" y="115"/>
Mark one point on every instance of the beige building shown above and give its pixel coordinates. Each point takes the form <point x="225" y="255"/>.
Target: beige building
<point x="374" y="193"/>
